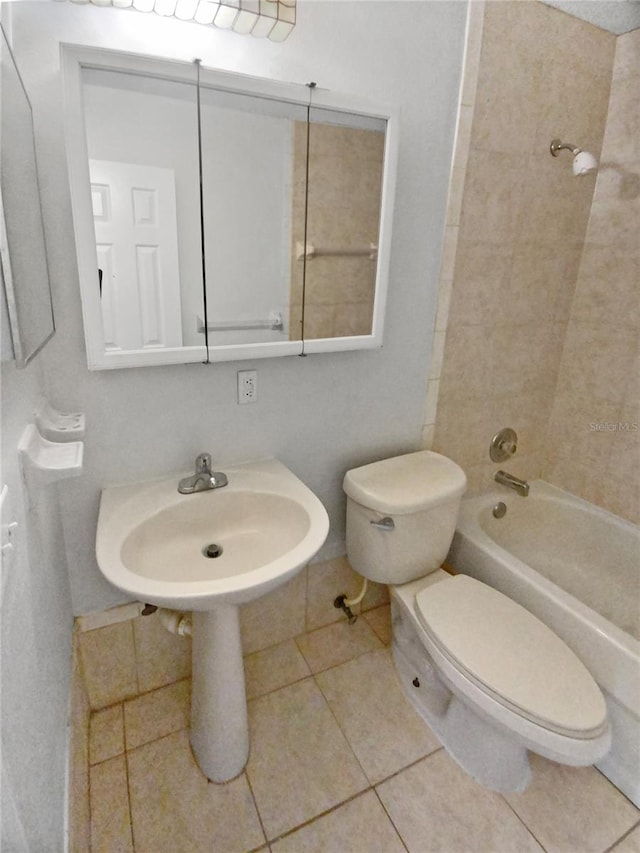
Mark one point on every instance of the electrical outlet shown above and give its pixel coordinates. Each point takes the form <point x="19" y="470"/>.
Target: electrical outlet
<point x="247" y="387"/>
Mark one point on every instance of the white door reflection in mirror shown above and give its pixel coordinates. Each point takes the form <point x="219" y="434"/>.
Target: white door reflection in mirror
<point x="134" y="214"/>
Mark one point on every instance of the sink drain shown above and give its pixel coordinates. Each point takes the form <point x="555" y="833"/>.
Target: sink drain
<point x="212" y="551"/>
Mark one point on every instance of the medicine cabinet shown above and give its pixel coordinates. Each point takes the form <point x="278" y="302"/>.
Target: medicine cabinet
<point x="222" y="217"/>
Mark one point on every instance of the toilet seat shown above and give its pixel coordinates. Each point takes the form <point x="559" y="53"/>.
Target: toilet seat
<point x="512" y="656"/>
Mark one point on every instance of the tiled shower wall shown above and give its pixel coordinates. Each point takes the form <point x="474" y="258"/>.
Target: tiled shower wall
<point x="594" y="432"/>
<point x="513" y="253"/>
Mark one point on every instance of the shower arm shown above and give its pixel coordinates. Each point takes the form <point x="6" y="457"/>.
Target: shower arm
<point x="557" y="145"/>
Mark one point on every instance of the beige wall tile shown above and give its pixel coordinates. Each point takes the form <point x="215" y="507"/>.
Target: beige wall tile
<point x="475" y="17"/>
<point x="607" y="279"/>
<point x="542" y="279"/>
<point x="449" y="248"/>
<point x="482" y="284"/>
<point x="541" y="304"/>
<point x="444" y="303"/>
<point x="110" y="821"/>
<point x="627" y="59"/>
<point x="456" y="192"/>
<point x="106" y="734"/>
<point x="494" y="197"/>
<point x="510" y="81"/>
<point x="426" y="438"/>
<point x="437" y="355"/>
<point x="108" y="664"/>
<point x="555" y="205"/>
<point x="431" y="401"/>
<point x="275" y="617"/>
<point x="596" y="362"/>
<point x="161" y="657"/>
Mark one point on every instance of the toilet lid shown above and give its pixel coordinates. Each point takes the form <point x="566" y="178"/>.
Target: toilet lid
<point x="512" y="655"/>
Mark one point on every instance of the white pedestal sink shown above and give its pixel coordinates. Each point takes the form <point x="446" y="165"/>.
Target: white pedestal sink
<point x="209" y="552"/>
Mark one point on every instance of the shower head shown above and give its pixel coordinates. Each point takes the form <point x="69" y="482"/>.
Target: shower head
<point x="583" y="161"/>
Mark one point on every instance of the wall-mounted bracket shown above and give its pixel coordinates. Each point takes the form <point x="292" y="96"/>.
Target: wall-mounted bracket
<point x="59" y="426"/>
<point x="44" y="461"/>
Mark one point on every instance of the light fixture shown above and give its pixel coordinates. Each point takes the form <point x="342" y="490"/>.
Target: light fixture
<point x="274" y="19"/>
<point x="583" y="161"/>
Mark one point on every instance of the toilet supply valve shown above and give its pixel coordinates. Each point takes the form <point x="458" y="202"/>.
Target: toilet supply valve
<point x="341" y="603"/>
<point x="345" y="604"/>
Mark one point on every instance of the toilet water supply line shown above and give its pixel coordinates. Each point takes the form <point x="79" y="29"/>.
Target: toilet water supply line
<point x="345" y="604"/>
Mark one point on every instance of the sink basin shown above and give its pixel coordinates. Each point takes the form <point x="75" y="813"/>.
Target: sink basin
<point x="209" y="552"/>
<point x="227" y="545"/>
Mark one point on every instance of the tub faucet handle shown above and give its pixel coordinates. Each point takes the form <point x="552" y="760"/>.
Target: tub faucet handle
<point x="503" y="445"/>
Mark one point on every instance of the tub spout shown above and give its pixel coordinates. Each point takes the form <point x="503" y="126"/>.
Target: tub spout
<point x="515" y="483"/>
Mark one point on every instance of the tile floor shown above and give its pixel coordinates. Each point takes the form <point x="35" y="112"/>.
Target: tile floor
<point x="340" y="763"/>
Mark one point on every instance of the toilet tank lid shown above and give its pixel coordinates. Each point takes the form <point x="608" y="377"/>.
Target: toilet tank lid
<point x="405" y="484"/>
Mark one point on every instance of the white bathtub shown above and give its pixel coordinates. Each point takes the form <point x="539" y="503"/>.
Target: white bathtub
<point x="577" y="568"/>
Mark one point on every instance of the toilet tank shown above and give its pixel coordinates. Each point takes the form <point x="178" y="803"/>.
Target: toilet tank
<point x="421" y="493"/>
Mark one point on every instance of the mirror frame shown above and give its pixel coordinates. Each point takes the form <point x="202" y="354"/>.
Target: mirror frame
<point x="74" y="59"/>
<point x="23" y="349"/>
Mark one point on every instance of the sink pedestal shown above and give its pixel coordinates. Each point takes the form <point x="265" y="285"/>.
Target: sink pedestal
<point x="219" y="727"/>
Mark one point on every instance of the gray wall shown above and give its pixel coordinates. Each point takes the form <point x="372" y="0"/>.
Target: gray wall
<point x="36" y="623"/>
<point x="322" y="414"/>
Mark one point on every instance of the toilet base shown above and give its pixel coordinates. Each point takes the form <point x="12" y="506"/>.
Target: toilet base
<point x="492" y="757"/>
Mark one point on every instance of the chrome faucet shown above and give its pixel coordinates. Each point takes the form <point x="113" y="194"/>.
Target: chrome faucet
<point x="515" y="483"/>
<point x="204" y="478"/>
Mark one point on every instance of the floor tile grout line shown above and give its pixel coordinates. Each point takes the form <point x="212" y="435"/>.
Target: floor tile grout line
<point x="126" y="770"/>
<point x="522" y="821"/>
<point x="391" y="821"/>
<point x="409" y="766"/>
<point x="341" y="663"/>
<point x="134" y="646"/>
<point x="131" y="698"/>
<point x="344" y="734"/>
<point x="635" y="826"/>
<point x="313" y="630"/>
<point x="255" y="803"/>
<point x="135" y="696"/>
<point x="281" y="687"/>
<point x="318" y="816"/>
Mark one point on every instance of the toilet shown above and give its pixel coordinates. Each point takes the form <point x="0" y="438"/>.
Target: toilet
<point x="492" y="680"/>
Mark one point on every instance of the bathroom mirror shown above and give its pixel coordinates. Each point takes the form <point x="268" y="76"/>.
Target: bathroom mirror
<point x="284" y="251"/>
<point x="23" y="253"/>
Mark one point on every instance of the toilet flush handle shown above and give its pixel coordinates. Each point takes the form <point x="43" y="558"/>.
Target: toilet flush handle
<point x="385" y="523"/>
